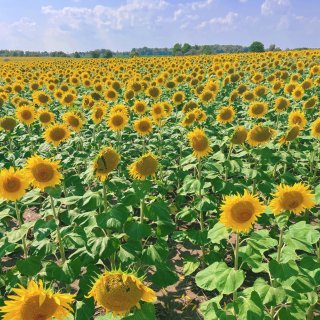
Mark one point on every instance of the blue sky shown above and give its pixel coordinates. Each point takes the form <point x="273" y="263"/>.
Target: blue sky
<point x="80" y="25"/>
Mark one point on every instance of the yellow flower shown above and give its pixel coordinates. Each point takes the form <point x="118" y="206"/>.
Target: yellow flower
<point x="158" y="111"/>
<point x="37" y="303"/>
<point x="297" y="117"/>
<point x="106" y="161"/>
<point x="298" y="93"/>
<point x="199" y="143"/>
<point x="111" y="95"/>
<point x="119" y="292"/>
<point x="226" y="114"/>
<point x="240" y="212"/>
<point x="144" y="167"/>
<point x="139" y="107"/>
<point x="8" y="123"/>
<point x="259" y="135"/>
<point x="45" y="117"/>
<point x="296" y="199"/>
<point x="56" y="133"/>
<point x="98" y="112"/>
<point x="143" y="126"/>
<point x="315" y="128"/>
<point x="281" y="104"/>
<point x="26" y="114"/>
<point x="189" y="119"/>
<point x="239" y="135"/>
<point x="42" y="173"/>
<point x="73" y="120"/>
<point x="117" y="121"/>
<point x="257" y="109"/>
<point x="290" y="135"/>
<point x="178" y="97"/>
<point x="40" y="98"/>
<point x="13" y="184"/>
<point x="68" y="99"/>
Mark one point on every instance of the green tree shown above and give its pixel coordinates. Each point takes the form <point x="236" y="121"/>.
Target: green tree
<point x="185" y="48"/>
<point x="176" y="48"/>
<point x="256" y="46"/>
<point x="76" y="55"/>
<point x="107" y="54"/>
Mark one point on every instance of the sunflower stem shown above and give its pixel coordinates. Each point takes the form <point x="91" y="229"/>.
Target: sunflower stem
<point x="20" y="222"/>
<point x="105" y="200"/>
<point x="280" y="244"/>
<point x="61" y="248"/>
<point x="236" y="260"/>
<point x="200" y="196"/>
<point x="142" y="204"/>
<point x="30" y="136"/>
<point x="228" y="159"/>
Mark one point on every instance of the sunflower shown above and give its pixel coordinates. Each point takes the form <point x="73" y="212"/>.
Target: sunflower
<point x="45" y="117"/>
<point x="139" y="107"/>
<point x="281" y="104"/>
<point x="158" y="111"/>
<point x="190" y="105"/>
<point x="199" y="143"/>
<point x="13" y="184"/>
<point x="315" y="128"/>
<point x="118" y="292"/>
<point x="298" y="93"/>
<point x="111" y="94"/>
<point x="297" y="117"/>
<point x="206" y="96"/>
<point x="239" y="135"/>
<point x="257" y="109"/>
<point x="296" y="199"/>
<point x="26" y="114"/>
<point x="154" y="92"/>
<point x="189" y="119"/>
<point x="167" y="108"/>
<point x="42" y="173"/>
<point x="8" y="123"/>
<point x="68" y="99"/>
<point x="98" y="113"/>
<point x="226" y="114"/>
<point x="106" y="161"/>
<point x="37" y="303"/>
<point x="56" y="133"/>
<point x="144" y="167"/>
<point x="240" y="212"/>
<point x="178" y="97"/>
<point x="117" y="121"/>
<point x="260" y="134"/>
<point x="143" y="126"/>
<point x="290" y="135"/>
<point x="73" y="121"/>
<point x="310" y="103"/>
<point x="200" y="115"/>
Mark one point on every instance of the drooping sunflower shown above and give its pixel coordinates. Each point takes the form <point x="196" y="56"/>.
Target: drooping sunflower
<point x="260" y="135"/>
<point x="226" y="114"/>
<point x="73" y="120"/>
<point x="200" y="114"/>
<point x="240" y="212"/>
<point x="144" y="167"/>
<point x="296" y="199"/>
<point x="98" y="113"/>
<point x="297" y="117"/>
<point x="13" y="184"/>
<point x="8" y="123"/>
<point x="26" y="114"/>
<point x="42" y="173"/>
<point x="68" y="99"/>
<point x="118" y="292"/>
<point x="143" y="126"/>
<point x="310" y="103"/>
<point x="106" y="161"/>
<point x="117" y="121"/>
<point x="41" y="98"/>
<point x="239" y="135"/>
<point x="257" y="109"/>
<point x="290" y="135"/>
<point x="189" y="119"/>
<point x="281" y="104"/>
<point x="139" y="107"/>
<point x="315" y="128"/>
<point x="37" y="303"/>
<point x="45" y="117"/>
<point x="56" y="133"/>
<point x="199" y="143"/>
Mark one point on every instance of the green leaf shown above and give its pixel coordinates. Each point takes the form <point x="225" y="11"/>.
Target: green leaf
<point x="84" y="309"/>
<point x="54" y="192"/>
<point x="103" y="247"/>
<point x="283" y="271"/>
<point x="190" y="266"/>
<point x="270" y="296"/>
<point x="164" y="276"/>
<point x="16" y="235"/>
<point x="211" y="310"/>
<point x="218" y="232"/>
<point x="30" y="266"/>
<point x="261" y="241"/>
<point x="137" y="231"/>
<point x="249" y="308"/>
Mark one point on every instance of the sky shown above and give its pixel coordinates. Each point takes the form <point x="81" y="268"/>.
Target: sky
<point x="81" y="25"/>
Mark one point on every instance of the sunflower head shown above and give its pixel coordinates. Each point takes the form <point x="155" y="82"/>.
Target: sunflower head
<point x="226" y="114"/>
<point x="98" y="113"/>
<point x="158" y="111"/>
<point x="13" y="184"/>
<point x="144" y="167"/>
<point x="199" y="143"/>
<point x="56" y="133"/>
<point x="73" y="120"/>
<point x="106" y="161"/>
<point x="45" y="117"/>
<point x="297" y="117"/>
<point x="118" y="292"/>
<point x="26" y="114"/>
<point x="281" y="104"/>
<point x="239" y="135"/>
<point x="290" y="135"/>
<point x="260" y="135"/>
<point x="296" y="199"/>
<point x="139" y="107"/>
<point x="8" y="123"/>
<point x="37" y="303"/>
<point x="143" y="126"/>
<point x="117" y="121"/>
<point x="257" y="109"/>
<point x="240" y="212"/>
<point x="189" y="119"/>
<point x="315" y="128"/>
<point x="178" y="97"/>
<point x="42" y="173"/>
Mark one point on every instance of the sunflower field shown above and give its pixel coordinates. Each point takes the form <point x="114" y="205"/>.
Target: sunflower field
<point x="161" y="187"/>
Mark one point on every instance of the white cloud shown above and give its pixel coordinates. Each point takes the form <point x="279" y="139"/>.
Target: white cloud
<point x="270" y="6"/>
<point x="227" y="20"/>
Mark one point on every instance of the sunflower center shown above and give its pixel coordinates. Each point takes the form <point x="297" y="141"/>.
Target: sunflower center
<point x="99" y="113"/>
<point x="144" y="126"/>
<point x="291" y="200"/>
<point x="117" y="120"/>
<point x="296" y="120"/>
<point x="26" y="114"/>
<point x="8" y="124"/>
<point x="32" y="310"/>
<point x="43" y="98"/>
<point x="45" y="117"/>
<point x="12" y="184"/>
<point x="57" y="134"/>
<point x="147" y="166"/>
<point x="258" y="109"/>
<point x="73" y="121"/>
<point x="43" y="172"/>
<point x="140" y="107"/>
<point x="200" y="143"/>
<point x="226" y="114"/>
<point x="242" y="211"/>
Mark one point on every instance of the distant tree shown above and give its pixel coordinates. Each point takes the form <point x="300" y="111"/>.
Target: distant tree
<point x="272" y="47"/>
<point x="95" y="54"/>
<point x="185" y="48"/>
<point x="256" y="46"/>
<point x="177" y="49"/>
<point x="134" y="54"/>
<point x="76" y="55"/>
<point x="107" y="54"/>
<point x="206" y="49"/>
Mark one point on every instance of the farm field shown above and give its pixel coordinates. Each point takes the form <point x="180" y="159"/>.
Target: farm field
<point x="160" y="188"/>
